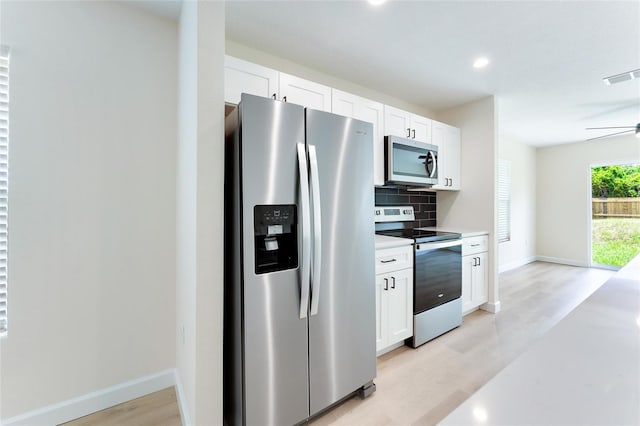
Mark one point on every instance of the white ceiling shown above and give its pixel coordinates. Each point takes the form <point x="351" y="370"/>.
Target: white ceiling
<point x="548" y="58"/>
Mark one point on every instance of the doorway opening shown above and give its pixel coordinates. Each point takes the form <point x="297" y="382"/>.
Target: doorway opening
<point x="615" y="214"/>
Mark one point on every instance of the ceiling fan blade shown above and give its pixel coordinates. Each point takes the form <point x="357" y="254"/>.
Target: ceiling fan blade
<point x="619" y="127"/>
<point x="611" y="134"/>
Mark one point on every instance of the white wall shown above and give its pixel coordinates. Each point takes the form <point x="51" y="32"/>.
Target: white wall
<point x="474" y="206"/>
<point x="200" y="196"/>
<point x="564" y="194"/>
<point x="92" y="196"/>
<point x="284" y="65"/>
<point x="521" y="248"/>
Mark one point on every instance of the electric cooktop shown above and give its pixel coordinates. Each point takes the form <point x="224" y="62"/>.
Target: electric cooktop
<point x="420" y="235"/>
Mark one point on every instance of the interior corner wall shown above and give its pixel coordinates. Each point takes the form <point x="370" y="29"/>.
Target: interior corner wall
<point x="474" y="206"/>
<point x="563" y="191"/>
<point x="521" y="247"/>
<point x="200" y="196"/>
<point x="186" y="210"/>
<point x="91" y="200"/>
<point x="284" y="65"/>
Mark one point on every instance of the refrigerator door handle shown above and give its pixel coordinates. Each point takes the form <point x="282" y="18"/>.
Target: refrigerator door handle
<point x="305" y="214"/>
<point x="317" y="231"/>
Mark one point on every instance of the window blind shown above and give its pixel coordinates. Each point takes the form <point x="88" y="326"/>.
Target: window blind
<point x="504" y="200"/>
<point x="4" y="182"/>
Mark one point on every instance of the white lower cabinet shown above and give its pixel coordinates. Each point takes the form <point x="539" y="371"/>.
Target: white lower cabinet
<point x="394" y="305"/>
<point x="475" y="273"/>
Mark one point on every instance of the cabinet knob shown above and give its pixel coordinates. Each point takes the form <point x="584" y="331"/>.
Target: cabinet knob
<point x="273" y="96"/>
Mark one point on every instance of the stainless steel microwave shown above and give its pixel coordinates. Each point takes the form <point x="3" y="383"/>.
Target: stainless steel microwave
<point x="410" y="162"/>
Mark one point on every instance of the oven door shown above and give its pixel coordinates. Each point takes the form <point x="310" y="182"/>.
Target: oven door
<point x="438" y="274"/>
<point x="411" y="162"/>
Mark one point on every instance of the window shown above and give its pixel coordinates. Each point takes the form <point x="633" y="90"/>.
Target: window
<point x="504" y="200"/>
<point x="4" y="182"/>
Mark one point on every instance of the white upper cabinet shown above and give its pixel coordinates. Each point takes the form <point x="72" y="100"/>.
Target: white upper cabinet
<point x="245" y="77"/>
<point x="303" y="92"/>
<point x="353" y="106"/>
<point x="447" y="138"/>
<point x="407" y="125"/>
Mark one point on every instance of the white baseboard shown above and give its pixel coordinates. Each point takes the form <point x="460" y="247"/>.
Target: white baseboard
<point x="516" y="264"/>
<point x="493" y="307"/>
<point x="182" y="402"/>
<point x="71" y="409"/>
<point x="570" y="262"/>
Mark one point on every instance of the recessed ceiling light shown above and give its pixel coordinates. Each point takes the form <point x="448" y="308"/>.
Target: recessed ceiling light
<point x="619" y="78"/>
<point x="481" y="62"/>
<point x="376" y="2"/>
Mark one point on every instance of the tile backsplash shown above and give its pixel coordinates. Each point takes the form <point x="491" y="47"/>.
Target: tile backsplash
<point x="424" y="203"/>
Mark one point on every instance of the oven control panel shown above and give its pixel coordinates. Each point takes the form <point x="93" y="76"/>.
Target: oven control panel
<point x="393" y="213"/>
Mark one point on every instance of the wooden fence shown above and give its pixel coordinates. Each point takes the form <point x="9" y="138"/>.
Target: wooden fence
<point x="615" y="207"/>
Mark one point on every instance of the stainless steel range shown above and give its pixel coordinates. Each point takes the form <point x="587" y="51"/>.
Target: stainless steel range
<point x="437" y="272"/>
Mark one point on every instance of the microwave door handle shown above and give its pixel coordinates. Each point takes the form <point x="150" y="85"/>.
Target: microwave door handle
<point x="434" y="171"/>
<point x="306" y="229"/>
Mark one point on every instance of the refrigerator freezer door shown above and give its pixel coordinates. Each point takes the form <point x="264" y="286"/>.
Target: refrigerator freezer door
<point x="342" y="342"/>
<point x="275" y="337"/>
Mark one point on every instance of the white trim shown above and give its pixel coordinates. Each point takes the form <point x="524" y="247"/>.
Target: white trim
<point x="493" y="307"/>
<point x="570" y="262"/>
<point x="516" y="264"/>
<point x="95" y="401"/>
<point x="182" y="402"/>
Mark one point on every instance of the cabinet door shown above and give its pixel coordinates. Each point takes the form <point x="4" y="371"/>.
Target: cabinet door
<point x="397" y="122"/>
<point x="381" y="312"/>
<point x="467" y="276"/>
<point x="480" y="280"/>
<point x="363" y="109"/>
<point x="343" y="103"/>
<point x="452" y="141"/>
<point x="244" y="77"/>
<point x="400" y="295"/>
<point x="438" y="139"/>
<point x="372" y="112"/>
<point x="420" y="128"/>
<point x="304" y="92"/>
<point x="447" y="138"/>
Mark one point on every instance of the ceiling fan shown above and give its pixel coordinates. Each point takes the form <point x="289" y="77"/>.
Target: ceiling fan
<point x="630" y="129"/>
<point x="619" y="78"/>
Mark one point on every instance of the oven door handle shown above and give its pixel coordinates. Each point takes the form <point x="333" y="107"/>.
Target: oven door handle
<point x="436" y="245"/>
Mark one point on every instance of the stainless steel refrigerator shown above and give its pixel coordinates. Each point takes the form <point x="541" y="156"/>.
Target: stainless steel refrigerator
<point x="299" y="329"/>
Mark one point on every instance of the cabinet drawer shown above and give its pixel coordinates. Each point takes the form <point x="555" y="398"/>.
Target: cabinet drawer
<point x="393" y="259"/>
<point x="473" y="245"/>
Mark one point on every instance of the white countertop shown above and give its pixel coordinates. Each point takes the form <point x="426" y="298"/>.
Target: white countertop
<point x="383" y="241"/>
<point x="585" y="370"/>
<point x="465" y="232"/>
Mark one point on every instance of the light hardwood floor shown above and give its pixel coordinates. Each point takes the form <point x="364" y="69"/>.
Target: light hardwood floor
<point x="421" y="386"/>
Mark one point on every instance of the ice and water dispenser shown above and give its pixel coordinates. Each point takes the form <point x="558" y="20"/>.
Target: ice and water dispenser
<point x="275" y="234"/>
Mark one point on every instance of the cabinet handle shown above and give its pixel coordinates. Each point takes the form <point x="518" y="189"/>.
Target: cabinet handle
<point x="475" y="245"/>
<point x="450" y="181"/>
<point x="408" y="132"/>
<point x="393" y="282"/>
<point x="478" y="261"/>
<point x="389" y="261"/>
<point x="273" y="96"/>
<point x="386" y="283"/>
<point x="284" y="99"/>
<point x="475" y="261"/>
<point x="414" y="133"/>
